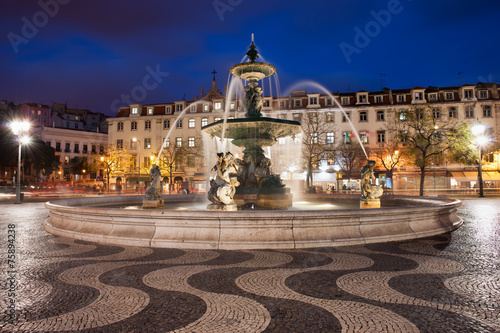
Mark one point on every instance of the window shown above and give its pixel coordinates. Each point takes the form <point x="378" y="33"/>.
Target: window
<point x="205" y="107"/>
<point x="314" y="138"/>
<point x="432" y="97"/>
<point x="85" y="149"/>
<point x="147" y="125"/>
<point x="401" y="98"/>
<point x="362" y="98"/>
<point x="147" y="162"/>
<point x="363" y="116"/>
<point x="452" y="112"/>
<point x="380" y="115"/>
<point x="328" y="101"/>
<point x="166" y="124"/>
<point x="119" y="126"/>
<point x="298" y="103"/>
<point x="101" y="149"/>
<point x="346" y="116"/>
<point x="232" y="106"/>
<point x="166" y="143"/>
<point x="135" y="110"/>
<point x="436" y="113"/>
<point x="216" y="119"/>
<point x="204" y="122"/>
<point x="345" y="101"/>
<point x="449" y="96"/>
<point x="193" y="109"/>
<point x="150" y="111"/>
<point x="282" y="104"/>
<point x="68" y="148"/>
<point x="483" y="94"/>
<point x="192" y="123"/>
<point x="313" y="117"/>
<point x="191" y="142"/>
<point x="94" y="149"/>
<point x="297" y="116"/>
<point x="179" y="123"/>
<point x="77" y="147"/>
<point x="487" y="111"/>
<point x="58" y="146"/>
<point x="403" y="116"/>
<point x="133" y="126"/>
<point x="419" y="96"/>
<point x="179" y="107"/>
<point x="266" y="103"/>
<point x="313" y="100"/>
<point x="347" y="137"/>
<point x="363" y="136"/>
<point x="380" y="136"/>
<point x="178" y="142"/>
<point x="218" y="105"/>
<point x="168" y="109"/>
<point x="378" y="99"/>
<point x="469" y="93"/>
<point x="282" y="116"/>
<point x="330" y="117"/>
<point x="147" y="143"/>
<point x="119" y="144"/>
<point x="330" y="138"/>
<point x="134" y="144"/>
<point x="469" y="111"/>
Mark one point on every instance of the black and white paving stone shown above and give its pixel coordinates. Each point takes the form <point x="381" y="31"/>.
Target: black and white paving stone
<point x="448" y="283"/>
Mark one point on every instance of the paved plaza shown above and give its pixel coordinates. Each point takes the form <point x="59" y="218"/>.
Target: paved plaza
<point x="447" y="283"/>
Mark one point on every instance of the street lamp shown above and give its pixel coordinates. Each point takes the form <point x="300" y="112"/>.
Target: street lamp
<point x="138" y="163"/>
<point x="20" y="129"/>
<point x="477" y="131"/>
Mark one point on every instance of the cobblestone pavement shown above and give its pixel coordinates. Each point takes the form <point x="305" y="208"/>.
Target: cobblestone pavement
<point x="448" y="283"/>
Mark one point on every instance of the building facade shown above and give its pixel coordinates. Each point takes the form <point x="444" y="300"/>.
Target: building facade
<point x="143" y="128"/>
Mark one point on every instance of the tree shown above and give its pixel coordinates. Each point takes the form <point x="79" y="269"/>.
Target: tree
<point x="350" y="157"/>
<point x="391" y="155"/>
<point x="175" y="157"/>
<point x="115" y="160"/>
<point x="42" y="157"/>
<point x="315" y="143"/>
<point x="427" y="136"/>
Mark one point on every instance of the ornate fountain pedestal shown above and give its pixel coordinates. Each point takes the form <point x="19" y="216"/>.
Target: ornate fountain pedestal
<point x="369" y="203"/>
<point x="257" y="187"/>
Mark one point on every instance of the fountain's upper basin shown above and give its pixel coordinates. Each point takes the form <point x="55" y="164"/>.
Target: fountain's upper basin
<point x="254" y="131"/>
<point x="91" y="219"/>
<point x="253" y="71"/>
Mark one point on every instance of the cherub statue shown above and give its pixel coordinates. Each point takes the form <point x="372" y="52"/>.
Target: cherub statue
<point x="369" y="190"/>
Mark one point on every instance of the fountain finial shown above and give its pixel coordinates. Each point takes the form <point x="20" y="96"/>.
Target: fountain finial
<point x="252" y="53"/>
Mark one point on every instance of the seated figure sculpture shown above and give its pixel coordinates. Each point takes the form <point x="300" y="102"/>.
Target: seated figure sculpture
<point x="223" y="187"/>
<point x="368" y="189"/>
<point x="153" y="192"/>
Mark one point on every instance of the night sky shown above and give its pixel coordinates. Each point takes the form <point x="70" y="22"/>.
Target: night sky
<point x="88" y="53"/>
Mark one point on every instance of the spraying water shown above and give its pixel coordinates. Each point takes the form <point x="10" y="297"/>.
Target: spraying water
<point x="324" y="90"/>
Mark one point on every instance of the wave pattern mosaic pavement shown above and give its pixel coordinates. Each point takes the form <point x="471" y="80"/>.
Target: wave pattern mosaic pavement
<point x="448" y="283"/>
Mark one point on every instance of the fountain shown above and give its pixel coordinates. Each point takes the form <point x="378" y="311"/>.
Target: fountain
<point x="257" y="186"/>
<point x="249" y="183"/>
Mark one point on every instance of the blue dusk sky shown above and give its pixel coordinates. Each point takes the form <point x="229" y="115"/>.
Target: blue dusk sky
<point x="92" y="53"/>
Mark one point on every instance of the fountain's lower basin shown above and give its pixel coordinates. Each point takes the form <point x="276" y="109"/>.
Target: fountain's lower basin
<point x="91" y="219"/>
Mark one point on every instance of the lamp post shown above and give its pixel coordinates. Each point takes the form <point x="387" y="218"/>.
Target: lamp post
<point x="21" y="129"/>
<point x="138" y="163"/>
<point x="477" y="131"/>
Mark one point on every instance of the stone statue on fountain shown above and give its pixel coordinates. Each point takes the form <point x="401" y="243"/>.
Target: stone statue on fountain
<point x="253" y="101"/>
<point x="153" y="198"/>
<point x="223" y="187"/>
<point x="370" y="193"/>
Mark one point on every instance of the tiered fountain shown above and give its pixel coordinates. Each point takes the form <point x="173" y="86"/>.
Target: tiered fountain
<point x="257" y="186"/>
<point x="249" y="182"/>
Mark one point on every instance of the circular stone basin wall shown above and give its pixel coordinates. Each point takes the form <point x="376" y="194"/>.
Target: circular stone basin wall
<point x="90" y="219"/>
